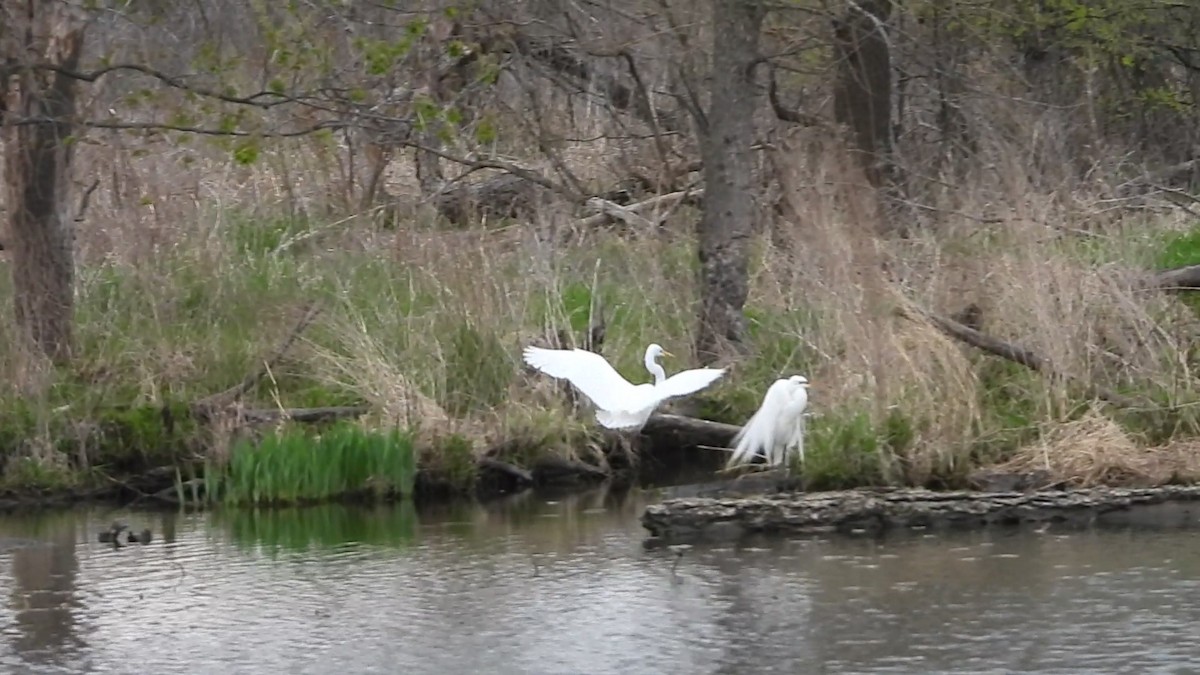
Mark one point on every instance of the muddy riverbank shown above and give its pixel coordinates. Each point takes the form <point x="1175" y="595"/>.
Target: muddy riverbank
<point x="156" y="486"/>
<point x="153" y="471"/>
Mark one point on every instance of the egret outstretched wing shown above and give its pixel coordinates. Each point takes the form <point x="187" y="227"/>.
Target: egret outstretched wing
<point x="619" y="403"/>
<point x="591" y="374"/>
<point x="687" y="382"/>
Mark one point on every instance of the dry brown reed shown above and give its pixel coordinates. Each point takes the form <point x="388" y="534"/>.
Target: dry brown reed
<point x="1094" y="450"/>
<point x="423" y="316"/>
<point x="1048" y="273"/>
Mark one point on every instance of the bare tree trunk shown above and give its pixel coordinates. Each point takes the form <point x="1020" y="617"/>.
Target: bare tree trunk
<point x="38" y="150"/>
<point x="727" y="136"/>
<point x="863" y="94"/>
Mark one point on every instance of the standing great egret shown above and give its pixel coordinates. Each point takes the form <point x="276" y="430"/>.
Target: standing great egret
<point x="777" y="427"/>
<point x="619" y="403"/>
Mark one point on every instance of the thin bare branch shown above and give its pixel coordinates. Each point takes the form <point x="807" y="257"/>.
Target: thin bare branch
<point x="262" y="99"/>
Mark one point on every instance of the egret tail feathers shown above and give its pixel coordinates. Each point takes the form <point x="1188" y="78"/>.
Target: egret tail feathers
<point x="621" y="419"/>
<point x="746" y="448"/>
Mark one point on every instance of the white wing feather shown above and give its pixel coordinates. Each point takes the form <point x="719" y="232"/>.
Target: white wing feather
<point x="620" y="404"/>
<point x="790" y="434"/>
<point x="686" y="382"/>
<point x="588" y="371"/>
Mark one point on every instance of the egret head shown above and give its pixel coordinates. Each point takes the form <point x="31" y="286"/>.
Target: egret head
<point x="654" y="351"/>
<point x="798" y="380"/>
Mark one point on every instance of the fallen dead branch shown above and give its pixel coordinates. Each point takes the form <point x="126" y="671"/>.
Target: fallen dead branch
<point x="617" y="212"/>
<point x="1185" y="278"/>
<point x="1014" y="353"/>
<point x="690" y="431"/>
<point x="519" y="475"/>
<point x="206" y="406"/>
<point x="634" y="214"/>
<point x="551" y="469"/>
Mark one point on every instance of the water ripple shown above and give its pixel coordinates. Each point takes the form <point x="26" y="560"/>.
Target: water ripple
<point x="565" y="587"/>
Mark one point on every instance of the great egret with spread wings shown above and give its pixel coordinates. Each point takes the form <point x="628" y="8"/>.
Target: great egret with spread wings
<point x="619" y="403"/>
<point x="776" y="430"/>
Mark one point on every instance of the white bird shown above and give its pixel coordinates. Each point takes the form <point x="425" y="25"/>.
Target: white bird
<point x="776" y="430"/>
<point x="619" y="403"/>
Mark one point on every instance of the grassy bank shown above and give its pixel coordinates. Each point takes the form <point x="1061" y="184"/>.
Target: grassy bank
<point x="425" y="325"/>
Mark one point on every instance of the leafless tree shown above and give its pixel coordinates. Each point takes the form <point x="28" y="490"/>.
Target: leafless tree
<point x="727" y="137"/>
<point x="39" y="142"/>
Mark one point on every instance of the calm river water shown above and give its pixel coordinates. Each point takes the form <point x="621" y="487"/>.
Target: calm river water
<point x="564" y="585"/>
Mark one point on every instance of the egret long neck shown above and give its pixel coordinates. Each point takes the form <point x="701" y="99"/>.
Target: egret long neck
<point x="656" y="370"/>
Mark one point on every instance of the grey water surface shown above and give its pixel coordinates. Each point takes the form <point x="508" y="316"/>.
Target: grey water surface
<point x="565" y="585"/>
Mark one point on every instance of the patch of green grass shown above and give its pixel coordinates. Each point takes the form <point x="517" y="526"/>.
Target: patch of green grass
<point x="140" y="437"/>
<point x="478" y="370"/>
<point x="842" y="452"/>
<point x="301" y="392"/>
<point x="1009" y="408"/>
<point x="294" y="466"/>
<point x="847" y="449"/>
<point x="778" y="350"/>
<point x="548" y="432"/>
<point x="191" y="323"/>
<point x="1136" y="244"/>
<point x="116" y="441"/>
<point x="1181" y="249"/>
<point x="257" y="237"/>
<point x="452" y="459"/>
<point x="577" y="306"/>
<point x="1163" y="420"/>
<point x="29" y="475"/>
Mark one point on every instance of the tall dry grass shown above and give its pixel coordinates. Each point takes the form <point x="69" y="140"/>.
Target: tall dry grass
<point x="1055" y="272"/>
<point x="192" y="267"/>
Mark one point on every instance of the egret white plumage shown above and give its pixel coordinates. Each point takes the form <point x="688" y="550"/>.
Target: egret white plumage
<point x="776" y="430"/>
<point x="619" y="403"/>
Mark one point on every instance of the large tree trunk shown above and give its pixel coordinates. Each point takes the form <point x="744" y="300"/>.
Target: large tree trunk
<point x="863" y="94"/>
<point x="727" y="137"/>
<point x="38" y="149"/>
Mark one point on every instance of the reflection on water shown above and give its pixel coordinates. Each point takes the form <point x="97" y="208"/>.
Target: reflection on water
<point x="563" y="585"/>
<point x="41" y="606"/>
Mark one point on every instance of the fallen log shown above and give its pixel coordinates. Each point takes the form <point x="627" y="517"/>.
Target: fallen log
<point x="876" y="510"/>
<point x="551" y="470"/>
<point x="510" y="473"/>
<point x="1185" y="278"/>
<point x="689" y="431"/>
